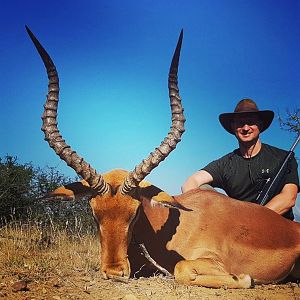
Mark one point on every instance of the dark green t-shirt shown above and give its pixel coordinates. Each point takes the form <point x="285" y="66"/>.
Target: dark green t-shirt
<point x="243" y="178"/>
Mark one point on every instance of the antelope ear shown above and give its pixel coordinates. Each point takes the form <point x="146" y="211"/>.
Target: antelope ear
<point x="71" y="191"/>
<point x="157" y="196"/>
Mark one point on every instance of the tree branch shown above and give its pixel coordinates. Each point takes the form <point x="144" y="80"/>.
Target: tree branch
<point x="152" y="261"/>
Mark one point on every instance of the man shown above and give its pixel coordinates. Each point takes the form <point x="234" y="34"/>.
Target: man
<point x="243" y="172"/>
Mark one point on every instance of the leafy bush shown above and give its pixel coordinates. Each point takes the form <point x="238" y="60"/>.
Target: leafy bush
<point x="22" y="187"/>
<point x="15" y="185"/>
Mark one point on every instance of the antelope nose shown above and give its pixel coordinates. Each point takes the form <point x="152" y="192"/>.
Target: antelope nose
<point x="119" y="272"/>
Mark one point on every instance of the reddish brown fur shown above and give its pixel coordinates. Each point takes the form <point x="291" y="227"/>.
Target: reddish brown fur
<point x="115" y="214"/>
<point x="217" y="235"/>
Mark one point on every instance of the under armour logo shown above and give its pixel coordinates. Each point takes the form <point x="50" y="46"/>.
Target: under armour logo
<point x="263" y="171"/>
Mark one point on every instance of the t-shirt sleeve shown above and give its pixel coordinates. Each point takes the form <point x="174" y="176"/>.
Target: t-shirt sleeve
<point x="292" y="172"/>
<point x="216" y="169"/>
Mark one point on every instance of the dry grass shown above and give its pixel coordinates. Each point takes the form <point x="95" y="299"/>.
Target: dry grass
<point x="60" y="262"/>
<point x="34" y="252"/>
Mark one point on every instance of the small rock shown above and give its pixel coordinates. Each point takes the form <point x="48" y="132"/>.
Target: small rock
<point x="19" y="286"/>
<point x="57" y="284"/>
<point x="93" y="282"/>
<point x="86" y="279"/>
<point x="225" y="287"/>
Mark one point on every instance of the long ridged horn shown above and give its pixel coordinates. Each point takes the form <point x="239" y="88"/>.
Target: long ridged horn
<point x="173" y="137"/>
<point x="52" y="135"/>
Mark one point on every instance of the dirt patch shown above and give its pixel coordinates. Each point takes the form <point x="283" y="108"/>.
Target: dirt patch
<point x="78" y="285"/>
<point x="67" y="267"/>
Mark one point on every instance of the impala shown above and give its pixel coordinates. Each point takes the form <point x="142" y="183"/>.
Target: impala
<point x="202" y="237"/>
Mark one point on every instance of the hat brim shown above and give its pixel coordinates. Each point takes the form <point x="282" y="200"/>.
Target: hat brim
<point x="266" y="117"/>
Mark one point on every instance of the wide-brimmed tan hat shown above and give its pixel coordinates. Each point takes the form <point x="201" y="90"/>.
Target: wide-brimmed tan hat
<point x="249" y="107"/>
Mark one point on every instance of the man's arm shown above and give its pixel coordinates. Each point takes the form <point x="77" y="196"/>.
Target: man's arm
<point x="285" y="200"/>
<point x="197" y="179"/>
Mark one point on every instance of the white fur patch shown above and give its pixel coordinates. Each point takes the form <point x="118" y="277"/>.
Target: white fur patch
<point x="154" y="203"/>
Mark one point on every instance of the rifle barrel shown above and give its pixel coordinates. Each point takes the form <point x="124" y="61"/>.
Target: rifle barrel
<point x="266" y="195"/>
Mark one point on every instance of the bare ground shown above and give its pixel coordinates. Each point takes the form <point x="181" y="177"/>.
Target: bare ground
<point x="77" y="284"/>
<point x="35" y="265"/>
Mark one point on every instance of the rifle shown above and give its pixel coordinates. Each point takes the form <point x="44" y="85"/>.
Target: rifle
<point x="270" y="188"/>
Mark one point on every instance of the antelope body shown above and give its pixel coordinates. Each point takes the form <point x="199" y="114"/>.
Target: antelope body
<point x="202" y="237"/>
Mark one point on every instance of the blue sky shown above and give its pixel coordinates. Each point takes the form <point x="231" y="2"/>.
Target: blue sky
<point x="113" y="59"/>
